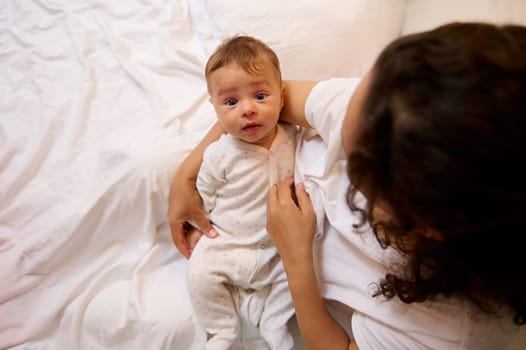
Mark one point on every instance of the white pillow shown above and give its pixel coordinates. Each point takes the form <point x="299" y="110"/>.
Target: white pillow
<point x="427" y="14"/>
<point x="315" y="39"/>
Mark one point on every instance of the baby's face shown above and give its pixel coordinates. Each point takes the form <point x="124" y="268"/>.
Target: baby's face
<point x="247" y="104"/>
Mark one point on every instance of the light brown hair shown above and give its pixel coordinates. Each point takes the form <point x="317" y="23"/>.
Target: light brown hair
<point x="245" y="51"/>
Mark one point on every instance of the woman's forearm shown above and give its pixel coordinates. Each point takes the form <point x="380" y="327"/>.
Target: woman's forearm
<point x="318" y="328"/>
<point x="292" y="231"/>
<point x="184" y="204"/>
<point x="189" y="168"/>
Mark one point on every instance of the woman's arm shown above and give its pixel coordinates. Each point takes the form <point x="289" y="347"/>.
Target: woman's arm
<point x="184" y="203"/>
<point x="296" y="93"/>
<point x="292" y="230"/>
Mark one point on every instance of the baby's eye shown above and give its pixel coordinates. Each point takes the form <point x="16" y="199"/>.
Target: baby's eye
<point x="260" y="96"/>
<point x="231" y="102"/>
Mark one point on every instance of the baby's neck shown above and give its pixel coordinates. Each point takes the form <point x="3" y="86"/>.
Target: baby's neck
<point x="267" y="140"/>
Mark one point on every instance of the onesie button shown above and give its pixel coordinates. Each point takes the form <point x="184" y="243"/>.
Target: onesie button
<point x="262" y="246"/>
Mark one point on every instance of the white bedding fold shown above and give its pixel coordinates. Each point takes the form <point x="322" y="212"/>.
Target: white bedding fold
<point x="99" y="101"/>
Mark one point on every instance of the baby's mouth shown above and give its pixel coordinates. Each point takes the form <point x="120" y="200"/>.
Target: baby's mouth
<point x="251" y="127"/>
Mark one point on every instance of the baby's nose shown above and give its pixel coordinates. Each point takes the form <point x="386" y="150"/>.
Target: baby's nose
<point x="248" y="107"/>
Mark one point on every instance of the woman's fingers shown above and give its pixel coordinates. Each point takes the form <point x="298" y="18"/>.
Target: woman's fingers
<point x="283" y="202"/>
<point x="303" y="198"/>
<point x="179" y="238"/>
<point x="193" y="236"/>
<point x="200" y="221"/>
<point x="290" y="223"/>
<point x="284" y="195"/>
<point x="182" y="226"/>
<point x="285" y="189"/>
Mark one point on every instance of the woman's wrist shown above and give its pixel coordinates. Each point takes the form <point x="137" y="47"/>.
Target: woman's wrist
<point x="299" y="256"/>
<point x="186" y="174"/>
<point x="299" y="267"/>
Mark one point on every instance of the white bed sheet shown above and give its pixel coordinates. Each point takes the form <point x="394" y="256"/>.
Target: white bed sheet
<point x="99" y="102"/>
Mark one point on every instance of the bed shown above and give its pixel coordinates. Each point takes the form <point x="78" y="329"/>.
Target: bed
<point x="100" y="101"/>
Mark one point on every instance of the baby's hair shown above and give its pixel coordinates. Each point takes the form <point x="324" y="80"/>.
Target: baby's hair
<point x="245" y="51"/>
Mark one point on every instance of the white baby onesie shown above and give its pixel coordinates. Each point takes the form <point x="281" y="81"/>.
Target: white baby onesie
<point x="233" y="182"/>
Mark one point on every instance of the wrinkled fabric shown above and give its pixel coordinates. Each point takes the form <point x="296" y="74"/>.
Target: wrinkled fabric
<point x="99" y="102"/>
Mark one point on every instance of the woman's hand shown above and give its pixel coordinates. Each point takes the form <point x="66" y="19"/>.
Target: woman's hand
<point x="184" y="208"/>
<point x="291" y="226"/>
<point x="185" y="211"/>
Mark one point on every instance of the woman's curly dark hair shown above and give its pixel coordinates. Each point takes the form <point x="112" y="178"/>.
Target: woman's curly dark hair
<point x="442" y="141"/>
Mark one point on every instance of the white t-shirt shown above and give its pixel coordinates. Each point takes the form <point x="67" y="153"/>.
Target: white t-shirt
<point x="348" y="263"/>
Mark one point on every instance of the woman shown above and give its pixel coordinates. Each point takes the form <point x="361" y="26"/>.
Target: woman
<point x="418" y="169"/>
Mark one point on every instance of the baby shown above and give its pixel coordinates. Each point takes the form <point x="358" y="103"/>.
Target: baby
<point x="239" y="274"/>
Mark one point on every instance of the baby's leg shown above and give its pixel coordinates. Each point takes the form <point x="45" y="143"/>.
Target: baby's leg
<point x="276" y="313"/>
<point x="211" y="299"/>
